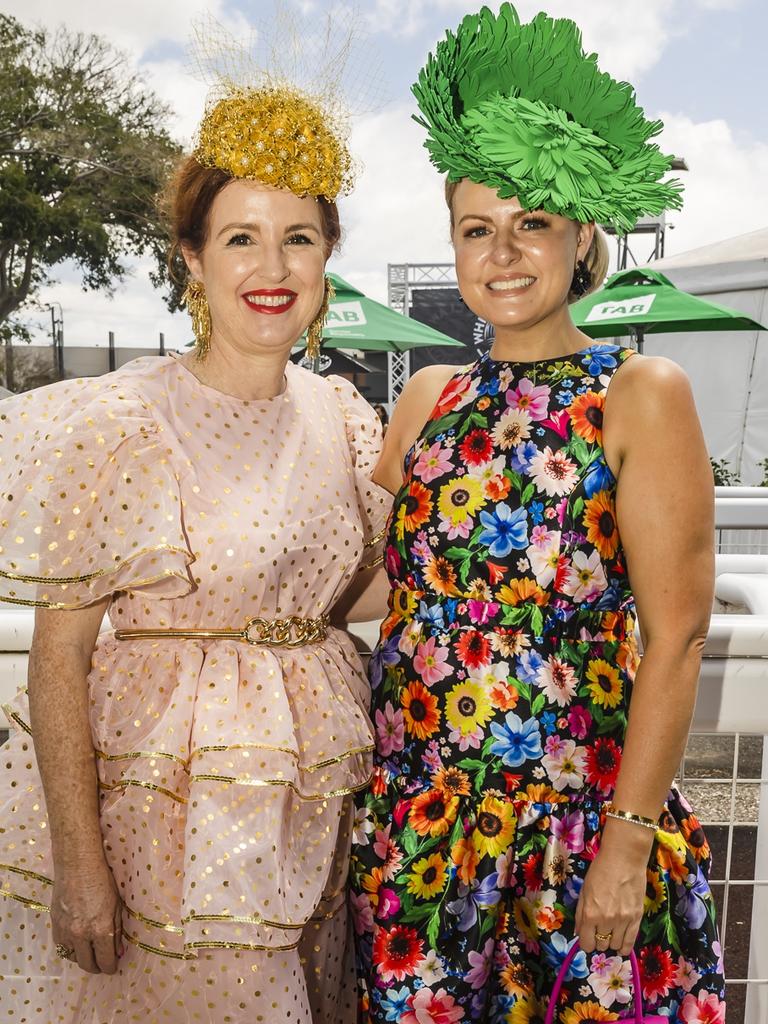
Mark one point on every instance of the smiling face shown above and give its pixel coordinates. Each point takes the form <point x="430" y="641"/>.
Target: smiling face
<point x="514" y="267"/>
<point x="262" y="266"/>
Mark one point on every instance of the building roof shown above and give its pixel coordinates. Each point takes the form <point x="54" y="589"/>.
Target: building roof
<point x="733" y="264"/>
<point x="752" y="246"/>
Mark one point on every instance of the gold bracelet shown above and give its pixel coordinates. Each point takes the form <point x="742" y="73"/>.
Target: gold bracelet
<point x="612" y="811"/>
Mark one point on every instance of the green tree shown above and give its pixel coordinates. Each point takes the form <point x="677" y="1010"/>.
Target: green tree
<point x="83" y="152"/>
<point x="723" y="474"/>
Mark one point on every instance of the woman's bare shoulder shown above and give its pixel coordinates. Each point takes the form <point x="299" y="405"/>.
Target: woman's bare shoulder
<point x="649" y="398"/>
<point x="414" y="405"/>
<point x="648" y="386"/>
<point x="425" y="387"/>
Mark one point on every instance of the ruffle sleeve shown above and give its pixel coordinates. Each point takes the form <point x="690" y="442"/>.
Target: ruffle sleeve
<point x="364" y="437"/>
<point x="89" y="502"/>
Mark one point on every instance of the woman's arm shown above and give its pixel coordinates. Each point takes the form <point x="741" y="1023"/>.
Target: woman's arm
<point x="665" y="514"/>
<point x="85" y="908"/>
<point x="365" y="598"/>
<point x="414" y="405"/>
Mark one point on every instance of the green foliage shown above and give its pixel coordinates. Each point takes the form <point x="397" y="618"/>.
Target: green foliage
<point x="14" y="329"/>
<point x="723" y="474"/>
<point x="440" y="424"/>
<point x="83" y="154"/>
<point x="521" y="108"/>
<point x="477" y="770"/>
<point x="433" y="928"/>
<point x="763" y="464"/>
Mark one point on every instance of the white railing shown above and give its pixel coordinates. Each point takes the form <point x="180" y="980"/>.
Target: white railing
<point x="742" y="519"/>
<point x="732" y="717"/>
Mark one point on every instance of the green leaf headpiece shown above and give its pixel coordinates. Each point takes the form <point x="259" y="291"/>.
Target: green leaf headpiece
<point x="523" y="109"/>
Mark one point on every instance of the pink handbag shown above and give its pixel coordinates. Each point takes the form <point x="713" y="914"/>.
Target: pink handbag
<point x="638" y="1016"/>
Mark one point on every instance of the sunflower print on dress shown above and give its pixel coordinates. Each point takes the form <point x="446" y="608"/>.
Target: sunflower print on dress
<point x="501" y="683"/>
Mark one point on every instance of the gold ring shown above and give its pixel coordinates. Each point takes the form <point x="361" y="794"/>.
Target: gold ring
<point x="603" y="937"/>
<point x="64" y="952"/>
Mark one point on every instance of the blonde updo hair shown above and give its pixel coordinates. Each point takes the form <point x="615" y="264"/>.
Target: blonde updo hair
<point x="597" y="258"/>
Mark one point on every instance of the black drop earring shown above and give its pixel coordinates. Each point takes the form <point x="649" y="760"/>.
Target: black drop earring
<point x="582" y="279"/>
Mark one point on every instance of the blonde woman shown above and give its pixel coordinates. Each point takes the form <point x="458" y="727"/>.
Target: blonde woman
<point x="522" y="809"/>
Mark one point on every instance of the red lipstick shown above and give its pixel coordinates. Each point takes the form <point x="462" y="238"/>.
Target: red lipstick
<point x="270" y="300"/>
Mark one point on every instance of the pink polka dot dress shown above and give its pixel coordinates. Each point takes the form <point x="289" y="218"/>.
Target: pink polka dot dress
<point x="225" y="767"/>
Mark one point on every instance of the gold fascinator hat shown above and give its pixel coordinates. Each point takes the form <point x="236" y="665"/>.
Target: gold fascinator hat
<point x="277" y="136"/>
<point x="279" y="106"/>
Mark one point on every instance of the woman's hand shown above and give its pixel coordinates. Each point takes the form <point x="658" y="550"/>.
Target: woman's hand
<point x="613" y="895"/>
<point x="86" y="917"/>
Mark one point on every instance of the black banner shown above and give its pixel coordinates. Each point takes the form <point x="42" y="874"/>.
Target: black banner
<point x="443" y="309"/>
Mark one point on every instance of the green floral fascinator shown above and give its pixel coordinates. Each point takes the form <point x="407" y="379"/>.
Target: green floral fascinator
<point x="523" y="109"/>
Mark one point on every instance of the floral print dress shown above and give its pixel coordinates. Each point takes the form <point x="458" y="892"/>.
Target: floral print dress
<point x="501" y="687"/>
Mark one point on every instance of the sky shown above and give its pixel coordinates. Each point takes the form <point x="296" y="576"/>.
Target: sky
<point x="700" y="65"/>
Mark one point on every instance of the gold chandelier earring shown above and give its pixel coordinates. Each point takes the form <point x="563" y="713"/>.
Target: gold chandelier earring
<point x="195" y="300"/>
<point x="315" y="329"/>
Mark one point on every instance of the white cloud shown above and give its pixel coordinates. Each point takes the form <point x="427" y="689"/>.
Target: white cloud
<point x="184" y="95"/>
<point x="720" y="5"/>
<point x="134" y="26"/>
<point x="396" y="213"/>
<point x="629" y="36"/>
<point x="725" y="191"/>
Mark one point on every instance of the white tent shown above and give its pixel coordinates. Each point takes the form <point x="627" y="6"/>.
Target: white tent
<point x="728" y="370"/>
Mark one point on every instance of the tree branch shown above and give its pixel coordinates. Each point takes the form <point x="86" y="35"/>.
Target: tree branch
<point x="26" y="279"/>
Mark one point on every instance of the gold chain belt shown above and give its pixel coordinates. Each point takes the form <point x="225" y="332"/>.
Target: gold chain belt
<point x="290" y="632"/>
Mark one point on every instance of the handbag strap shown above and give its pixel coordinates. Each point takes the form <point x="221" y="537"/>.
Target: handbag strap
<point x="563" y="973"/>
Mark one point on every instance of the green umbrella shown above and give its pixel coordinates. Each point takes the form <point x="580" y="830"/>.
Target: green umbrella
<point x="356" y="322"/>
<point x="641" y="301"/>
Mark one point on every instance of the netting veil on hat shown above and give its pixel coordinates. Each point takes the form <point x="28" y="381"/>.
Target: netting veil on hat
<point x="280" y="104"/>
<point x="523" y="109"/>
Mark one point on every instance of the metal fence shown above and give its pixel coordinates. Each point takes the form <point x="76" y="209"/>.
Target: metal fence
<point x="725" y="769"/>
<point x="23" y="367"/>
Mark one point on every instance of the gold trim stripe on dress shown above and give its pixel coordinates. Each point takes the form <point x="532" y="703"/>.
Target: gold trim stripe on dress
<point x="254" y="919"/>
<point x="64" y="580"/>
<point x="135" y="755"/>
<point x="206" y="945"/>
<point x="372" y="565"/>
<point x="72" y="605"/>
<point x="26" y="873"/>
<point x="223" y="748"/>
<point x="124" y="783"/>
<point x="230" y="780"/>
<point x="289" y="632"/>
<point x="32" y="904"/>
<point x="375" y="540"/>
<point x="11" y="715"/>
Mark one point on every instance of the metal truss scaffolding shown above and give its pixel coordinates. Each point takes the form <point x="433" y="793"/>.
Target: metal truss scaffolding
<point x="401" y="278"/>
